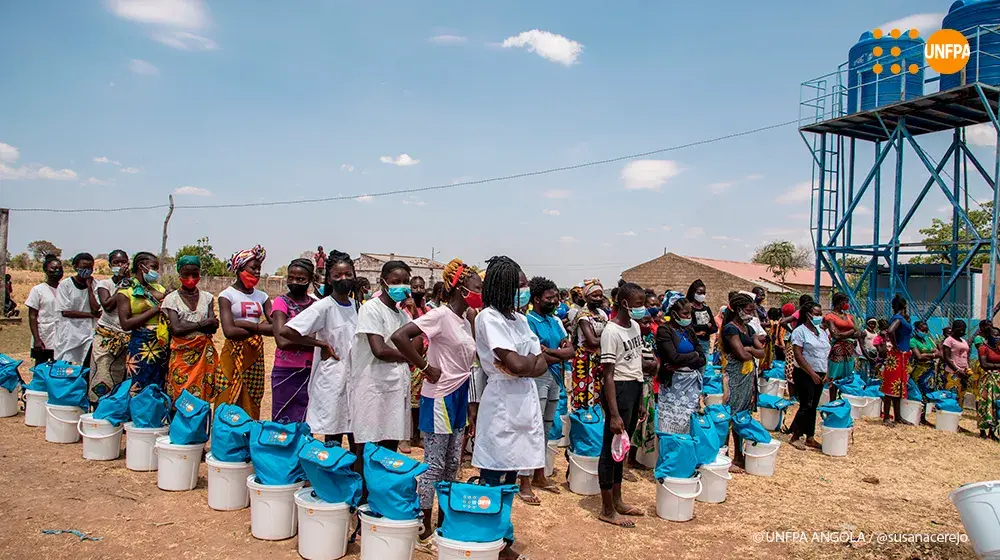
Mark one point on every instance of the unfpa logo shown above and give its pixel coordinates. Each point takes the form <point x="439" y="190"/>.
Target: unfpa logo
<point x="946" y="52"/>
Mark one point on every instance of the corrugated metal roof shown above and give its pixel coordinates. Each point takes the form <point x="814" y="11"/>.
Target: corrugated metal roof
<point x="421" y="262"/>
<point x="759" y="272"/>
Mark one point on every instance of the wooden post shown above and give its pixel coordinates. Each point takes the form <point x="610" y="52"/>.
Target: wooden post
<point x="166" y="222"/>
<point x="4" y="219"/>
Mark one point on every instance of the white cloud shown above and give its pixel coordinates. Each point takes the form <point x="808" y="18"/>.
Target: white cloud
<point x="143" y="67"/>
<point x="694" y="232"/>
<point x="649" y="173"/>
<point x="946" y="209"/>
<point x="982" y="135"/>
<point x="192" y="191"/>
<point x="130" y="170"/>
<point x="402" y="161"/>
<point x="862" y="210"/>
<point x="414" y="201"/>
<point x="549" y="46"/>
<point x="30" y="172"/>
<point x="627" y="234"/>
<point x="96" y="181"/>
<point x="9" y="153"/>
<point x="754" y="177"/>
<point x="104" y="159"/>
<point x="557" y="193"/>
<point x="567" y="239"/>
<point x="667" y="228"/>
<point x="801" y="192"/>
<point x="550" y="212"/>
<point x="186" y="14"/>
<point x="447" y="40"/>
<point x="716" y="188"/>
<point x="364" y="198"/>
<point x="347" y="167"/>
<point x="924" y="23"/>
<point x="185" y="41"/>
<point x="778" y="232"/>
<point x="111" y="84"/>
<point x="605" y="244"/>
<point x="723" y="237"/>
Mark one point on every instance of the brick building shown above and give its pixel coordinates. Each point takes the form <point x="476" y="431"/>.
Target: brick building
<point x="369" y="265"/>
<point x="676" y="272"/>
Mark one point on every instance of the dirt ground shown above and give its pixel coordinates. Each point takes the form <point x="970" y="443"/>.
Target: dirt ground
<point x="895" y="481"/>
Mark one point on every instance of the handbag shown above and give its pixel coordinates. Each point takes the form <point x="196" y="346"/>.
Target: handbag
<point x="836" y="414"/>
<point x="114" y="406"/>
<point x="475" y="512"/>
<point x="749" y="429"/>
<point x="706" y="439"/>
<point x="150" y="408"/>
<point x="328" y="470"/>
<point x="39" y="373"/>
<point x="231" y="434"/>
<point x="10" y="379"/>
<point x="67" y="385"/>
<point x="190" y="423"/>
<point x="274" y="452"/>
<point x="586" y="431"/>
<point x="721" y="416"/>
<point x="391" y="479"/>
<point x="677" y="457"/>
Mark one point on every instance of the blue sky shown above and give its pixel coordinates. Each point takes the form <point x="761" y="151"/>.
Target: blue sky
<point x="123" y="102"/>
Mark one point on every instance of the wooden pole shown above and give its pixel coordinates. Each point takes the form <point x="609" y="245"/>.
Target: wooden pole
<point x="166" y="222"/>
<point x="4" y="219"/>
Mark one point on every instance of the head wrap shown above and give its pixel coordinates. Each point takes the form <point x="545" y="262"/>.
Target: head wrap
<point x="187" y="260"/>
<point x="304" y="264"/>
<point x="787" y="309"/>
<point x="591" y="286"/>
<point x="241" y="258"/>
<point x="670" y="298"/>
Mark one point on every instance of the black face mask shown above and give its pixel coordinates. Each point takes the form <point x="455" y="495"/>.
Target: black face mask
<point x="547" y="308"/>
<point x="345" y="286"/>
<point x="55" y="274"/>
<point x="298" y="290"/>
<point x="418" y="296"/>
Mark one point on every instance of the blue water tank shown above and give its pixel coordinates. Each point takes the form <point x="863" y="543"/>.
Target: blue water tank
<point x="863" y="93"/>
<point x="966" y="16"/>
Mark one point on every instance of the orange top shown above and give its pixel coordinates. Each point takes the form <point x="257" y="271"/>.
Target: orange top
<point x="841" y="324"/>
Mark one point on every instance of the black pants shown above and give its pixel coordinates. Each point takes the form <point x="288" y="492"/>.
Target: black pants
<point x="497" y="478"/>
<point x="628" y="395"/>
<point x="808" y="393"/>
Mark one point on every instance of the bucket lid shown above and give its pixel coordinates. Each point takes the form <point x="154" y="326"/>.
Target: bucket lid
<point x="672" y="480"/>
<point x="373" y="519"/>
<point x="89" y="417"/>
<point x="211" y="461"/>
<point x="307" y="499"/>
<point x="130" y="427"/>
<point x="34" y="393"/>
<point x="254" y="485"/>
<point x="164" y="442"/>
<point x="988" y="486"/>
<point x="470" y="546"/>
<point x="719" y="462"/>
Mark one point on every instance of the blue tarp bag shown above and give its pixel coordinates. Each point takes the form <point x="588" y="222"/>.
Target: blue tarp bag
<point x="777" y="370"/>
<point x="114" y="406"/>
<point x="190" y="423"/>
<point x="392" y="483"/>
<point x="706" y="439"/>
<point x="874" y="391"/>
<point x="39" y="374"/>
<point x="10" y="379"/>
<point x="67" y="385"/>
<point x="749" y="429"/>
<point x="555" y="433"/>
<point x="328" y="470"/>
<point x="586" y="431"/>
<point x="948" y="405"/>
<point x="475" y="512"/>
<point x="913" y="391"/>
<point x="150" y="408"/>
<point x="721" y="416"/>
<point x="231" y="434"/>
<point x="836" y="414"/>
<point x="274" y="452"/>
<point x="853" y="386"/>
<point x="938" y="396"/>
<point x="677" y="457"/>
<point x="774" y="403"/>
<point x="712" y="385"/>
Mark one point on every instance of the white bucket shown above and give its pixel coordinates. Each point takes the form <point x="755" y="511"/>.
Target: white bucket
<point x="385" y="539"/>
<point x="458" y="550"/>
<point x="177" y="465"/>
<point x="873" y="409"/>
<point x="34" y="408"/>
<point x="713" y="399"/>
<point x="824" y="396"/>
<point x="775" y="387"/>
<point x="978" y="505"/>
<point x="910" y="411"/>
<point x="273" y="515"/>
<point x="858" y="405"/>
<point x="101" y="440"/>
<point x="835" y="441"/>
<point x="227" y="484"/>
<point x="675" y="497"/>
<point x="60" y="423"/>
<point x="583" y="475"/>
<point x="723" y="453"/>
<point x="8" y="403"/>
<point x="715" y="480"/>
<point x="929" y="408"/>
<point x="969" y="402"/>
<point x="551" y="450"/>
<point x="770" y="418"/>
<point x="323" y="527"/>
<point x="564" y="442"/>
<point x="947" y="421"/>
<point x="761" y="457"/>
<point x="140" y="443"/>
<point x="648" y="459"/>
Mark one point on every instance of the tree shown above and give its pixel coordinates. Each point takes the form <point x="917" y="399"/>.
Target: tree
<point x="781" y="257"/>
<point x="20" y="261"/>
<point x="940" y="232"/>
<point x="39" y="250"/>
<point x="282" y="270"/>
<point x="210" y="264"/>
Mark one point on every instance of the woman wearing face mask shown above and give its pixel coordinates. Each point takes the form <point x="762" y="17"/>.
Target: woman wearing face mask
<point x="292" y="362"/>
<point x="588" y="327"/>
<point x="107" y="359"/>
<point x="139" y="314"/>
<point x="739" y="387"/>
<point x="381" y="379"/>
<point x="702" y="320"/>
<point x="868" y="351"/>
<point x="681" y="359"/>
<point x="895" y="370"/>
<point x="844" y="337"/>
<point x="956" y="360"/>
<point x="77" y="302"/>
<point x="42" y="314"/>
<point x="244" y="312"/>
<point x="988" y="398"/>
<point x="328" y="326"/>
<point x="811" y="346"/>
<point x="924" y="353"/>
<point x="194" y="363"/>
<point x="415" y="307"/>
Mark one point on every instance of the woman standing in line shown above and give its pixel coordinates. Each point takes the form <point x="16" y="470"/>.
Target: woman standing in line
<point x="924" y="354"/>
<point x="139" y="314"/>
<point x="812" y="348"/>
<point x="681" y="361"/>
<point x="739" y="375"/>
<point x="644" y="436"/>
<point x="509" y="432"/>
<point x="895" y="370"/>
<point x="587" y="329"/>
<point x="867" y="349"/>
<point x="956" y="361"/>
<point x="415" y="307"/>
<point x="437" y="296"/>
<point x="844" y="335"/>
<point x="194" y="362"/>
<point x="107" y="360"/>
<point x="77" y="303"/>
<point x="988" y="398"/>
<point x="702" y="320"/>
<point x="42" y="315"/>
<point x="444" y="396"/>
<point x="292" y="362"/>
<point x="244" y="313"/>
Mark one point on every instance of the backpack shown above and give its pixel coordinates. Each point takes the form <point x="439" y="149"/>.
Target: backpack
<point x="706" y="439"/>
<point x="392" y="483"/>
<point x="475" y="512"/>
<point x="114" y="406"/>
<point x="274" y="452"/>
<point x="328" y="470"/>
<point x="10" y="379"/>
<point x="913" y="391"/>
<point x="231" y="434"/>
<point x="190" y="423"/>
<point x="721" y="416"/>
<point x="586" y="432"/>
<point x="150" y="408"/>
<point x="749" y="429"/>
<point x="677" y="456"/>
<point x="67" y="385"/>
<point x="836" y="414"/>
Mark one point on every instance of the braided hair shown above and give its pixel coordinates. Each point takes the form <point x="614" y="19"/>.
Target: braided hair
<point x="805" y="312"/>
<point x="453" y="275"/>
<point x="304" y="264"/>
<point x="503" y="278"/>
<point x="333" y="259"/>
<point x="141" y="257"/>
<point x="117" y="252"/>
<point x="738" y="301"/>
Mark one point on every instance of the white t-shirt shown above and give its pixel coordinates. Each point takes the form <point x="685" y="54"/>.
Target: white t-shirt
<point x="380" y="407"/>
<point x="175" y="303"/>
<point x="109" y="319"/>
<point x="623" y="348"/>
<point x="815" y="349"/>
<point x="246" y="307"/>
<point x="42" y="299"/>
<point x="71" y="333"/>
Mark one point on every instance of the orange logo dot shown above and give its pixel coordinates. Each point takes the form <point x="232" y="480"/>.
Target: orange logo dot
<point x="914" y="69"/>
<point x="895" y="69"/>
<point x="913" y="34"/>
<point x="484" y="502"/>
<point x="877" y="51"/>
<point x="894" y="34"/>
<point x="895" y="51"/>
<point x="877" y="68"/>
<point x="322" y="455"/>
<point x="877" y="33"/>
<point x="947" y="51"/>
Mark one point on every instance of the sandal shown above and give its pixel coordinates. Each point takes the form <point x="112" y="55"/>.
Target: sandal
<point x="427" y="546"/>
<point x="530" y="499"/>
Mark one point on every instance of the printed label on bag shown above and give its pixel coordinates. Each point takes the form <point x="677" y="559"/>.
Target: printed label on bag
<point x="236" y="418"/>
<point x="484" y="502"/>
<point x="322" y="455"/>
<point x="281" y="437"/>
<point x="189" y="407"/>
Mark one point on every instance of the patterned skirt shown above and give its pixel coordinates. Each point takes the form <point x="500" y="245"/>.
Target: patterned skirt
<point x="241" y="378"/>
<point x="107" y="362"/>
<point x="742" y="384"/>
<point x="147" y="357"/>
<point x="987" y="400"/>
<point x="587" y="380"/>
<point x="922" y="373"/>
<point x="644" y="437"/>
<point x="675" y="403"/>
<point x="895" y="373"/>
<point x="194" y="365"/>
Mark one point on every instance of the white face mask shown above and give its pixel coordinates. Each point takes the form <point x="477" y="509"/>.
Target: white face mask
<point x="700" y="298"/>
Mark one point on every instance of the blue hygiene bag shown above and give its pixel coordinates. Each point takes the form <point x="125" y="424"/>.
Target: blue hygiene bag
<point x="190" y="423"/>
<point x="274" y="452"/>
<point x="392" y="483"/>
<point x="231" y="434"/>
<point x="586" y="431"/>
<point x="721" y="416"/>
<point x="328" y="469"/>
<point x="150" y="408"/>
<point x="774" y="403"/>
<point x="39" y="374"/>
<point x="555" y="433"/>
<point x="836" y="414"/>
<point x="913" y="391"/>
<point x="874" y="391"/>
<point x="938" y="396"/>
<point x="474" y="512"/>
<point x="677" y="456"/>
<point x="749" y="429"/>
<point x="67" y="385"/>
<point x="706" y="439"/>
<point x="10" y="379"/>
<point x="712" y="385"/>
<point x="114" y="406"/>
<point x="777" y="370"/>
<point x="948" y="405"/>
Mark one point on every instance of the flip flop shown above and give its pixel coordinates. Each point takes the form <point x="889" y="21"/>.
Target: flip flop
<point x="621" y="523"/>
<point x="554" y="488"/>
<point x="630" y="476"/>
<point x="798" y="445"/>
<point x="633" y="511"/>
<point x="814" y="445"/>
<point x="536" y="502"/>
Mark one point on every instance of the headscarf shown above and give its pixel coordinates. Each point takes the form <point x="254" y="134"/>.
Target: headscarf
<point x="591" y="286"/>
<point x="304" y="264"/>
<point x="669" y="299"/>
<point x="241" y="258"/>
<point x="187" y="260"/>
<point x="787" y="310"/>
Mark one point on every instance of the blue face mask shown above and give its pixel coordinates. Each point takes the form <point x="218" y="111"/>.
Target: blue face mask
<point x="398" y="292"/>
<point x="637" y="312"/>
<point x="817" y="320"/>
<point x="321" y="290"/>
<point x="116" y="271"/>
<point x="684" y="322"/>
<point x="523" y="297"/>
<point x="151" y="276"/>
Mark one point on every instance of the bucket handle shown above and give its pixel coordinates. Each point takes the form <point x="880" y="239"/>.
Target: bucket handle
<point x="726" y="476"/>
<point x="768" y="454"/>
<point x="572" y="460"/>
<point x="79" y="429"/>
<point x="60" y="420"/>
<point x="684" y="496"/>
<point x="827" y="431"/>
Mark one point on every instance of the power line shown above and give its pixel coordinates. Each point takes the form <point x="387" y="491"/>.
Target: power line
<point x="418" y="189"/>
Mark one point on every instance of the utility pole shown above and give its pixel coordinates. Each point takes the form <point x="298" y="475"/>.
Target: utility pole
<point x="4" y="219"/>
<point x="166" y="222"/>
<point x="432" y="253"/>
